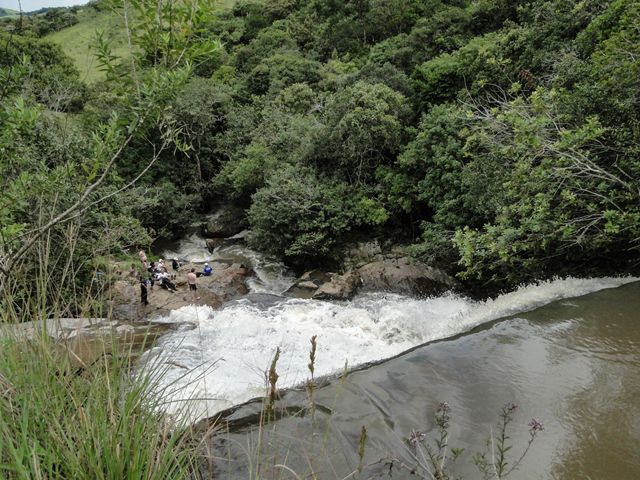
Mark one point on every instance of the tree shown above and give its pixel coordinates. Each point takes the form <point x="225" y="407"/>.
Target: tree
<point x="363" y="128"/>
<point x="562" y="198"/>
<point x="304" y="218"/>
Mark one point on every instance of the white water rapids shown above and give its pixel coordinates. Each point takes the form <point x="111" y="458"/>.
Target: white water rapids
<point x="219" y="358"/>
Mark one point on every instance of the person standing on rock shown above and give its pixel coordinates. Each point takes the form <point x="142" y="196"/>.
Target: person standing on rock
<point x="143" y="291"/>
<point x="143" y="259"/>
<point x="191" y="280"/>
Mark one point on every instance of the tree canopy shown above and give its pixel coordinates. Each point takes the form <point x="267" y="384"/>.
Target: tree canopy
<point x="498" y="139"/>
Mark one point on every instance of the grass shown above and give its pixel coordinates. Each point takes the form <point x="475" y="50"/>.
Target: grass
<point x="77" y="40"/>
<point x="66" y="413"/>
<point x="7" y="12"/>
<point x="61" y="421"/>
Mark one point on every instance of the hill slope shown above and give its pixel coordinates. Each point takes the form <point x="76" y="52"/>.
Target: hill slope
<point x="76" y="41"/>
<point x="7" y="12"/>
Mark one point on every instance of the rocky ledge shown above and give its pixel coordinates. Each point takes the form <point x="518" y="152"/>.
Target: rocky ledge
<point x="368" y="268"/>
<point x="227" y="282"/>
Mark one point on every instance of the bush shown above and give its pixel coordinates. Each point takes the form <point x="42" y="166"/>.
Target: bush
<point x="304" y="218"/>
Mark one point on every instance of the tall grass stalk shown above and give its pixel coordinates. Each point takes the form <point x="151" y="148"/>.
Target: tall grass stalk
<point x="311" y="383"/>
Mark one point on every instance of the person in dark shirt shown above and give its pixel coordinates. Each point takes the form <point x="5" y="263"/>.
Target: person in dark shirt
<point x="143" y="291"/>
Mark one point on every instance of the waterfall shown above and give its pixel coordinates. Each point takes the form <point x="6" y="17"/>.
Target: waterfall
<point x="272" y="276"/>
<point x="219" y="358"/>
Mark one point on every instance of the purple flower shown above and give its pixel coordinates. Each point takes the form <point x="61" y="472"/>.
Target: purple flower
<point x="416" y="437"/>
<point x="443" y="407"/>
<point x="535" y="426"/>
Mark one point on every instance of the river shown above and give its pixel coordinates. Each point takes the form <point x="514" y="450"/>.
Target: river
<point x="566" y="352"/>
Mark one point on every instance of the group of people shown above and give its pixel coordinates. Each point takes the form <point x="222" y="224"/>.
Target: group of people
<point x="158" y="273"/>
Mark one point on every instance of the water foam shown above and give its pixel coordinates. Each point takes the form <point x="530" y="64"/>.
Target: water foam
<point x="222" y="361"/>
<point x="192" y="248"/>
<point x="272" y="276"/>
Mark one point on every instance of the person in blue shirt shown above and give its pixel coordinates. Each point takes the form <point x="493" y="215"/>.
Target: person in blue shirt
<point x="206" y="271"/>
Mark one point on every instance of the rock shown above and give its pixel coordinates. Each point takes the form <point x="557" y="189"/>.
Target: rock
<point x="316" y="276"/>
<point x="57" y="328"/>
<point x="363" y="253"/>
<point x="405" y="275"/>
<point x="226" y="222"/>
<point x="307" y="284"/>
<point x="122" y="329"/>
<point x="304" y="289"/>
<point x="341" y="287"/>
<point x="213" y="243"/>
<point x="239" y="267"/>
<point x="124" y="301"/>
<point x="229" y="283"/>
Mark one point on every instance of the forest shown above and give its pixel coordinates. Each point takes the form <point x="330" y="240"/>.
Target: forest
<point x="495" y="139"/>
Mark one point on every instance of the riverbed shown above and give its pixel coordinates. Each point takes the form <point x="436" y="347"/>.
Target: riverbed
<point x="566" y="351"/>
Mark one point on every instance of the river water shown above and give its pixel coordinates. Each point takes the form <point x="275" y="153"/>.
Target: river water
<point x="566" y="352"/>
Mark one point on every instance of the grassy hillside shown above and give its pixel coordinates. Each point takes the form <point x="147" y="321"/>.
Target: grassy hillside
<point x="7" y="12"/>
<point x="76" y="40"/>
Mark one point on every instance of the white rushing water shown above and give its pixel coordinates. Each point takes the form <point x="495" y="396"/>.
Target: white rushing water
<point x="221" y="361"/>
<point x="192" y="248"/>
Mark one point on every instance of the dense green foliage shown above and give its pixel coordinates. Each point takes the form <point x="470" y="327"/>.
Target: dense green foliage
<point x="504" y="132"/>
<point x="66" y="196"/>
<point x="498" y="138"/>
<point x="39" y="23"/>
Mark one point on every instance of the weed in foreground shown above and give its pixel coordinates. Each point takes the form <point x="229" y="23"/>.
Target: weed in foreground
<point x="432" y="458"/>
<point x="59" y="421"/>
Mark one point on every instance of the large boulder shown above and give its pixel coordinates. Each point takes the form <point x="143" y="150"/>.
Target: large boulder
<point x="340" y="287"/>
<point x="225" y="222"/>
<point x="213" y="243"/>
<point x="308" y="283"/>
<point x="404" y="275"/>
<point x="362" y="253"/>
<point x="229" y="283"/>
<point x="123" y="301"/>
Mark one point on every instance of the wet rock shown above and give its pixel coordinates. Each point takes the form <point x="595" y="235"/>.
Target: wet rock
<point x="341" y="287"/>
<point x="308" y="285"/>
<point x="213" y="243"/>
<point x="226" y="222"/>
<point x="316" y="276"/>
<point x="405" y="275"/>
<point x="124" y="301"/>
<point x="228" y="283"/>
<point x="363" y="253"/>
<point x="302" y="289"/>
<point x="57" y="328"/>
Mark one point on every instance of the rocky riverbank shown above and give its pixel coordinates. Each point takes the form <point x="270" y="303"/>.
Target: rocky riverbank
<point x="227" y="282"/>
